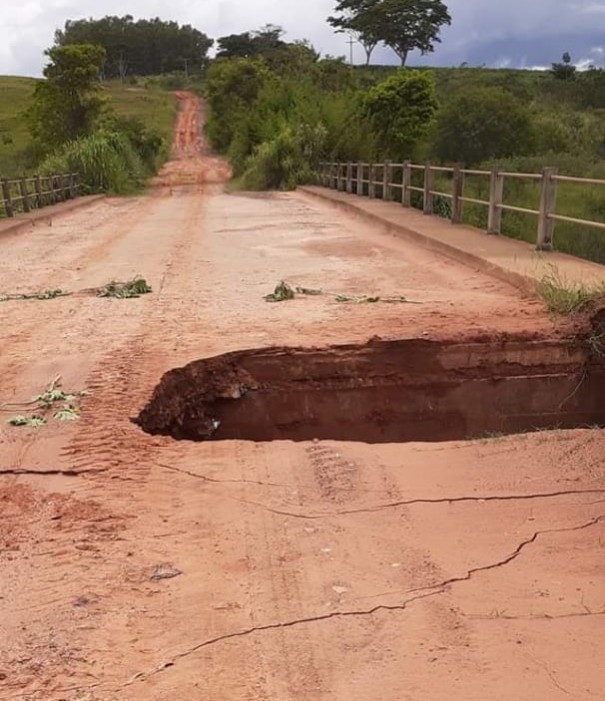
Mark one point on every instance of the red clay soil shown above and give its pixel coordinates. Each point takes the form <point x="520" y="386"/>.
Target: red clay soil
<point x="139" y="568"/>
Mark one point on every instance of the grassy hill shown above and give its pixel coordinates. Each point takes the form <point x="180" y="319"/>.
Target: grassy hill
<point x="156" y="107"/>
<point x="15" y="94"/>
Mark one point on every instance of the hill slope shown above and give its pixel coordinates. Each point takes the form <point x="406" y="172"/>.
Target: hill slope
<point x="156" y="107"/>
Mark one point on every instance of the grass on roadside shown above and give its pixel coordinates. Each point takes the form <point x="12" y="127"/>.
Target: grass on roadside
<point x="563" y="297"/>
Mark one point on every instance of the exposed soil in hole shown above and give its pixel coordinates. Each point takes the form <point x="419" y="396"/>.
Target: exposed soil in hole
<point x="398" y="391"/>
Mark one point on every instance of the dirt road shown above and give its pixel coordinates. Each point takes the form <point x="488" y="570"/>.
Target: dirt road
<point x="139" y="568"/>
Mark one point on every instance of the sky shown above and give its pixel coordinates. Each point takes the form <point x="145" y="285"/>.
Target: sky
<point x="516" y="33"/>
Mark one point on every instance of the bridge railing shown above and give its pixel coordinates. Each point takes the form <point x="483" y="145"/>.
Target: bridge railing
<point x="385" y="179"/>
<point x="26" y="194"/>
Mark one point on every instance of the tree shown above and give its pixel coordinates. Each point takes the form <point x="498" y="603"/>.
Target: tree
<point x="144" y="47"/>
<point x="565" y="70"/>
<point x="67" y="104"/>
<point x="401" y="109"/>
<point x="478" y="124"/>
<point x="358" y="19"/>
<point x="236" y="46"/>
<point x="261" y="42"/>
<point x="403" y="25"/>
<point x="232" y="88"/>
<point x="407" y="25"/>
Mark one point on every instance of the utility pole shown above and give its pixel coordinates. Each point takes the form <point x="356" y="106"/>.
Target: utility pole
<point x="351" y="43"/>
<point x="186" y="62"/>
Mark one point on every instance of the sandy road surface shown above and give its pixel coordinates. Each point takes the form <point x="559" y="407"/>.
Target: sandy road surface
<point x="319" y="571"/>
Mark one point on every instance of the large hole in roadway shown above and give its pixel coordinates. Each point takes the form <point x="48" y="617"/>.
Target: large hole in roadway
<point x="413" y="390"/>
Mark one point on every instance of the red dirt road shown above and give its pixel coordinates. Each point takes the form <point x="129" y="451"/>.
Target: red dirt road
<point x="137" y="568"/>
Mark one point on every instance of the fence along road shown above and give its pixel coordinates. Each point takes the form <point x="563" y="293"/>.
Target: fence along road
<point x="373" y="179"/>
<point x="25" y="194"/>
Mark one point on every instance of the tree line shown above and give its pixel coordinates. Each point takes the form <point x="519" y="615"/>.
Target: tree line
<point x="144" y="47"/>
<point x="152" y="47"/>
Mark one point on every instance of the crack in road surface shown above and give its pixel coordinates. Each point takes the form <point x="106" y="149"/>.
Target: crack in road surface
<point x="428" y="591"/>
<point x="43" y="473"/>
<point x="382" y="507"/>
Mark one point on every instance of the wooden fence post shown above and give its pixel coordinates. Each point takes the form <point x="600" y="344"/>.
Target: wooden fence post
<point x="387" y="177"/>
<point x="457" y="194"/>
<point x="24" y="194"/>
<point x="406" y="181"/>
<point x="496" y="196"/>
<point x="38" y="189"/>
<point x="372" y="184"/>
<point x="6" y="196"/>
<point x="349" y="177"/>
<point x="548" y="202"/>
<point x="429" y="185"/>
<point x="359" y="188"/>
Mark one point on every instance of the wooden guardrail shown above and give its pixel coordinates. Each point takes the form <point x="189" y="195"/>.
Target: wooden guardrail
<point x="379" y="179"/>
<point x="26" y="194"/>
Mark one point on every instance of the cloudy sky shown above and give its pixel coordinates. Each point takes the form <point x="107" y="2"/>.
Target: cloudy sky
<point x="523" y="33"/>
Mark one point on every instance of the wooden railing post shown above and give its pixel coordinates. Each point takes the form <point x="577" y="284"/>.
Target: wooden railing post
<point x="496" y="196"/>
<point x="24" y="194"/>
<point x="406" y="181"/>
<point x="457" y="194"/>
<point x="359" y="184"/>
<point x="349" y="177"/>
<point x="38" y="189"/>
<point x="548" y="203"/>
<point x="387" y="177"/>
<point x="429" y="184"/>
<point x="6" y="196"/>
<point x="372" y="184"/>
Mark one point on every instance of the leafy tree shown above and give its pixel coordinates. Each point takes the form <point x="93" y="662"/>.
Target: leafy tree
<point x="232" y="87"/>
<point x="403" y="25"/>
<point x="144" y="47"/>
<point x="412" y="24"/>
<point x="565" y="70"/>
<point x="401" y="109"/>
<point x="359" y="19"/>
<point x="67" y="104"/>
<point x="236" y="46"/>
<point x="261" y="42"/>
<point x="482" y="123"/>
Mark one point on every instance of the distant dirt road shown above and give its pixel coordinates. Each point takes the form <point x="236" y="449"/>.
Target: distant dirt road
<point x="137" y="568"/>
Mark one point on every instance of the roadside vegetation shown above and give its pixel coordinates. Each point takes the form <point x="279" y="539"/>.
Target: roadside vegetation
<point x="278" y="114"/>
<point x="563" y="297"/>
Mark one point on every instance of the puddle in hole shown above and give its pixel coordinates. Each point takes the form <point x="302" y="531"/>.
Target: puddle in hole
<point x="380" y="392"/>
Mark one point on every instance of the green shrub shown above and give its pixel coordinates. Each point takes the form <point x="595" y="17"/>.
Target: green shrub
<point x="288" y="160"/>
<point x="106" y="162"/>
<point x="401" y="109"/>
<point x="481" y="123"/>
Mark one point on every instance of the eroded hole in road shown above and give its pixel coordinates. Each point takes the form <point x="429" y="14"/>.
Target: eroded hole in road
<point x="413" y="390"/>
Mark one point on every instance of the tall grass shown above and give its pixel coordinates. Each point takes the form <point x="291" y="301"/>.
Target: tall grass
<point x="106" y="162"/>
